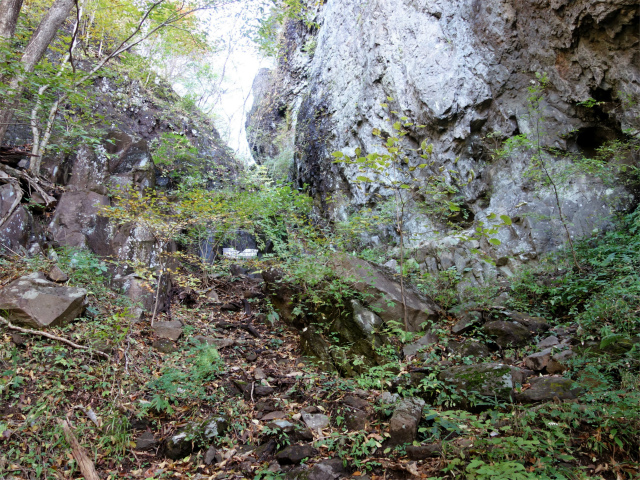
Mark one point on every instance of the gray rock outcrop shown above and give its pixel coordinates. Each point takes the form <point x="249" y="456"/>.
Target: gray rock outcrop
<point x="171" y="330"/>
<point x="136" y="120"/>
<point x="468" y="348"/>
<point x="507" y="334"/>
<point x="294" y="454"/>
<point x="494" y="380"/>
<point x="544" y="389"/>
<point x="16" y="229"/>
<point x="463" y="69"/>
<point x="193" y="435"/>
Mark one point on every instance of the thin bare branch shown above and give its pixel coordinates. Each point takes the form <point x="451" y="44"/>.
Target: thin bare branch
<point x="50" y="336"/>
<point x="33" y="183"/>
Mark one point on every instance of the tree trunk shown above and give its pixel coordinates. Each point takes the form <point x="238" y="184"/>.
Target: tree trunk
<point x="9" y="11"/>
<point x="38" y="44"/>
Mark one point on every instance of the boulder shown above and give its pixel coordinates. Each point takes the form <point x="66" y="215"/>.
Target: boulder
<point x="182" y="444"/>
<point x="76" y="222"/>
<point x="18" y="340"/>
<point x="164" y="345"/>
<point x="253" y="390"/>
<point x="294" y="431"/>
<point x="34" y="301"/>
<point x="356" y="402"/>
<point x="468" y="348"/>
<point x="136" y="288"/>
<point x="420" y="344"/>
<point x="366" y="320"/>
<point x="212" y="456"/>
<point x="215" y="427"/>
<point x="564" y="332"/>
<point x="327" y="470"/>
<point x="88" y="170"/>
<point x="261" y="391"/>
<point x="388" y="398"/>
<point x="558" y="362"/>
<point x="277" y="415"/>
<point x="468" y="321"/>
<point x="353" y="328"/>
<point x="403" y="425"/>
<point x="508" y="334"/>
<point x="356" y="412"/>
<point x="169" y="330"/>
<point x="15" y="231"/>
<point x="146" y="441"/>
<point x="422" y="452"/>
<point x="533" y="324"/>
<point x="385" y="290"/>
<point x="493" y="380"/>
<point x="315" y="421"/>
<point x="213" y="341"/>
<point x="548" y="342"/>
<point x="294" y="454"/>
<point x="544" y="389"/>
<point x="620" y="345"/>
<point x="178" y="446"/>
<point x="355" y="419"/>
<point x="538" y="361"/>
<point x="57" y="275"/>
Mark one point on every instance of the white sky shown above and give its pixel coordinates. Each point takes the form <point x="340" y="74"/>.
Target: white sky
<point x="240" y="61"/>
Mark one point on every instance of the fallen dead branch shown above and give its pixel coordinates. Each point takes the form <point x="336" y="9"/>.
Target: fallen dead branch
<point x="88" y="411"/>
<point x="11" y="326"/>
<point x="84" y="462"/>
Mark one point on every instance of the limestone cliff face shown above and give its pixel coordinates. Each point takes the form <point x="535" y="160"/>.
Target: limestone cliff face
<point x="463" y="69"/>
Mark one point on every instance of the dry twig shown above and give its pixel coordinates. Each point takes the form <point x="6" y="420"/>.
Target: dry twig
<point x="11" y="326"/>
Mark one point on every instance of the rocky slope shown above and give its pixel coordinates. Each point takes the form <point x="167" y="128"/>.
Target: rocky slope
<point x="134" y="123"/>
<point x="463" y="69"/>
<point x="218" y="390"/>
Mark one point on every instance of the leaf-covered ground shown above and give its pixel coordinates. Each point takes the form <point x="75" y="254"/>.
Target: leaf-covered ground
<point x="254" y="376"/>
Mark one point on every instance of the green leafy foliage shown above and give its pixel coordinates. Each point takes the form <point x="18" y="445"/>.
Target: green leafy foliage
<point x="175" y="383"/>
<point x="178" y="159"/>
<point x="606" y="295"/>
<point x="271" y="20"/>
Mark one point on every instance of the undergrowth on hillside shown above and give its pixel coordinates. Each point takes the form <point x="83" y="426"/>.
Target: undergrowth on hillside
<point x="604" y="298"/>
<point x="45" y="381"/>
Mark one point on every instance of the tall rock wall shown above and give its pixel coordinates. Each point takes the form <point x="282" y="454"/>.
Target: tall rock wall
<point x="463" y="69"/>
